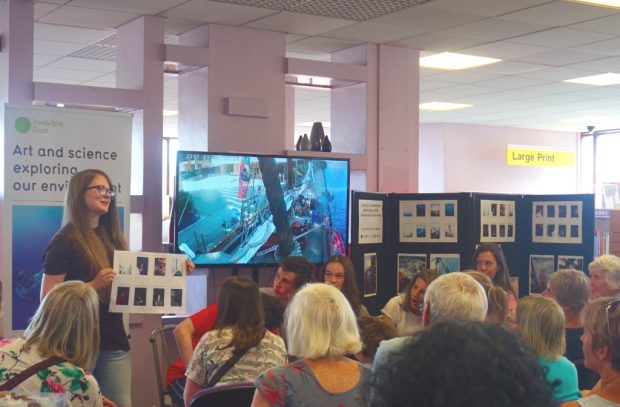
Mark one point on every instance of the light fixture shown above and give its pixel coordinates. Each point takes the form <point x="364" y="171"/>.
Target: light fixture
<point x="604" y="3"/>
<point x="604" y="79"/>
<point x="313" y="80"/>
<point x="167" y="113"/>
<point x="443" y="106"/>
<point x="454" y="61"/>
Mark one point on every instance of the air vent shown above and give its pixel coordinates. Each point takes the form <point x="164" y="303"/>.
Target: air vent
<point x="105" y="49"/>
<point x="353" y="10"/>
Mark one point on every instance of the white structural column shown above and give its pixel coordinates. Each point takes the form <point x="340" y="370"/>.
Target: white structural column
<point x="399" y="85"/>
<point x="193" y="97"/>
<point x="140" y="57"/>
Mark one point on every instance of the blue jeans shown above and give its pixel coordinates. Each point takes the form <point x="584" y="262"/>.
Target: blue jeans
<point x="113" y="373"/>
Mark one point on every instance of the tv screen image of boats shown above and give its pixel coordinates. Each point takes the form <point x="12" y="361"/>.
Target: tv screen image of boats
<point x="234" y="209"/>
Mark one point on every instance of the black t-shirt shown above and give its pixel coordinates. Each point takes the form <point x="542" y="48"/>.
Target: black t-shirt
<point x="574" y="353"/>
<point x="63" y="256"/>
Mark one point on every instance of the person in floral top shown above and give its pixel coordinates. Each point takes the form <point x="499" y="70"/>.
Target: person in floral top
<point x="65" y="326"/>
<point x="240" y="327"/>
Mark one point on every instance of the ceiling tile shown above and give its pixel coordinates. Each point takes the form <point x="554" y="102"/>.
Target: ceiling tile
<point x="503" y="50"/>
<point x="321" y="44"/>
<point x="40" y="60"/>
<point x="54" y="79"/>
<point x="425" y="18"/>
<point x="556" y="74"/>
<point x="87" y="17"/>
<point x="314" y="56"/>
<point x="602" y="65"/>
<point x="557" y="58"/>
<point x="84" y="64"/>
<point x="428" y="84"/>
<point x="607" y="25"/>
<point x="493" y="29"/>
<point x="146" y="7"/>
<point x="558" y="13"/>
<point x="55" y="47"/>
<point x="295" y="37"/>
<point x="484" y="7"/>
<point x="467" y="90"/>
<point x="297" y="23"/>
<point x="41" y="9"/>
<point x="217" y="12"/>
<point x="561" y="38"/>
<point x="509" y="68"/>
<point x="462" y="76"/>
<point x="63" y="33"/>
<point x="607" y="47"/>
<point x="70" y="74"/>
<point x="512" y="82"/>
<point x="373" y="33"/>
<point x="439" y="42"/>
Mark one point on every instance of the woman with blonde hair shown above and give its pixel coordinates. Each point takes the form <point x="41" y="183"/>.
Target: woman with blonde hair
<point x="540" y="323"/>
<point x="322" y="330"/>
<point x="61" y="343"/>
<point x="498" y="299"/>
<point x="601" y="348"/>
<point x="571" y="290"/>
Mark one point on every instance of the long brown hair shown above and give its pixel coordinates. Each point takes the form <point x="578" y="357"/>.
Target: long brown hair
<point x="99" y="245"/>
<point x="349" y="287"/>
<point x="427" y="276"/>
<point x="502" y="277"/>
<point x="240" y="307"/>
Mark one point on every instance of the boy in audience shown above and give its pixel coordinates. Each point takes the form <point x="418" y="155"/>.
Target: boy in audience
<point x="293" y="273"/>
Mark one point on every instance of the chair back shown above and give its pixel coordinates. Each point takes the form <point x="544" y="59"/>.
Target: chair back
<point x="165" y="352"/>
<point x="225" y="395"/>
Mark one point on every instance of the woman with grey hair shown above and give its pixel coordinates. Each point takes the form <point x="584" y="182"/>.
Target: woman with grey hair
<point x="604" y="276"/>
<point x="322" y="330"/>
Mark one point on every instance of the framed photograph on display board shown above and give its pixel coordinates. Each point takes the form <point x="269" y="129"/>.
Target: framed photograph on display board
<point x="570" y="262"/>
<point x="370" y="274"/>
<point x="497" y="221"/>
<point x="408" y="266"/>
<point x="541" y="268"/>
<point x="445" y="263"/>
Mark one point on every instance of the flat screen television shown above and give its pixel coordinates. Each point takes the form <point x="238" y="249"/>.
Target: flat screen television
<point x="250" y="209"/>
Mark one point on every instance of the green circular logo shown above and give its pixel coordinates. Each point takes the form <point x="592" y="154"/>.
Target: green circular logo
<point x="22" y="125"/>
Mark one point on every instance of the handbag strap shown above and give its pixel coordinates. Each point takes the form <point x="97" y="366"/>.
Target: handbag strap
<point x="225" y="368"/>
<point x="37" y="367"/>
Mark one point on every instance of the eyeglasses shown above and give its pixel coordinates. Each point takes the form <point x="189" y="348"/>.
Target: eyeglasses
<point x="103" y="191"/>
<point x="613" y="304"/>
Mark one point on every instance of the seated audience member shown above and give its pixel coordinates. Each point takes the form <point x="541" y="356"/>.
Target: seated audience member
<point x="293" y="273"/>
<point x="540" y="323"/>
<point x="571" y="290"/>
<point x="190" y="330"/>
<point x="239" y="336"/>
<point x="339" y="272"/>
<point x="601" y="348"/>
<point x="461" y="364"/>
<point x="489" y="259"/>
<point x="450" y="296"/>
<point x="322" y="330"/>
<point x="604" y="276"/>
<point x="404" y="310"/>
<point x="64" y="331"/>
<point x="496" y="297"/>
<point x="373" y="330"/>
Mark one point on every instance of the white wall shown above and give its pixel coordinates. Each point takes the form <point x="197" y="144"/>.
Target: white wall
<point x="472" y="158"/>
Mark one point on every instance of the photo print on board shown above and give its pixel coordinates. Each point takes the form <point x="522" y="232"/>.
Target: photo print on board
<point x="158" y="297"/>
<point x="445" y="263"/>
<point x="142" y="263"/>
<point x="160" y="267"/>
<point x="370" y="274"/>
<point x="176" y="297"/>
<point x="428" y="221"/>
<point x="139" y="296"/>
<point x="570" y="262"/>
<point x="125" y="263"/>
<point x="541" y="268"/>
<point x="497" y="218"/>
<point x="122" y="296"/>
<point x="557" y="222"/>
<point x="408" y="266"/>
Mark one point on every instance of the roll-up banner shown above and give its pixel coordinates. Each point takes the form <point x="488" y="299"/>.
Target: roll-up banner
<point x="43" y="148"/>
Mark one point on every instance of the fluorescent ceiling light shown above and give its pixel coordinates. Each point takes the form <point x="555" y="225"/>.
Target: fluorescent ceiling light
<point x="604" y="3"/>
<point x="443" y="106"/>
<point x="313" y="80"/>
<point x="604" y="79"/>
<point x="451" y="60"/>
